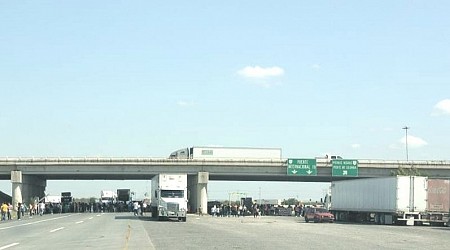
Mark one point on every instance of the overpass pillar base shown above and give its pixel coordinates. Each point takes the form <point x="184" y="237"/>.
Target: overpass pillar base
<point x="198" y="192"/>
<point x="26" y="188"/>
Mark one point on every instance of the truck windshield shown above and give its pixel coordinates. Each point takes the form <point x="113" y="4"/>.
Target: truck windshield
<point x="172" y="193"/>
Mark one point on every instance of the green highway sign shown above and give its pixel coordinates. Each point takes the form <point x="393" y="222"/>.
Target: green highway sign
<point x="303" y="167"/>
<point x="345" y="167"/>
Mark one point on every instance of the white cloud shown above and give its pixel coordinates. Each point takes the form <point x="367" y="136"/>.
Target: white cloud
<point x="442" y="108"/>
<point x="355" y="145"/>
<point x="394" y="146"/>
<point x="185" y="103"/>
<point x="315" y="66"/>
<point x="413" y="142"/>
<point x="260" y="72"/>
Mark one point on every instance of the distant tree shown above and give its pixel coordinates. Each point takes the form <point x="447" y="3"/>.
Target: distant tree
<point x="85" y="200"/>
<point x="290" y="201"/>
<point x="412" y="171"/>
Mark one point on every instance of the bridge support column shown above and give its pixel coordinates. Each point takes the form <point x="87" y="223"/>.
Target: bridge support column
<point x="26" y="188"/>
<point x="198" y="192"/>
<point x="16" y="181"/>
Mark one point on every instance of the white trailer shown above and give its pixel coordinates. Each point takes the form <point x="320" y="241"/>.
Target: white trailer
<point x="390" y="200"/>
<point x="227" y="153"/>
<point x="52" y="199"/>
<point x="107" y="196"/>
<point x="169" y="196"/>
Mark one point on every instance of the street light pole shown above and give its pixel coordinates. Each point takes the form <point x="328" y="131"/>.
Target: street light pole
<point x="406" y="141"/>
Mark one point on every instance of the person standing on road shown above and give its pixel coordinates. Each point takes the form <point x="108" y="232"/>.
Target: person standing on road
<point x="41" y="208"/>
<point x="4" y="210"/>
<point x="141" y="206"/>
<point x="10" y="208"/>
<point x="135" y="208"/>
<point x="30" y="208"/>
<point x="255" y="211"/>
<point x="19" y="210"/>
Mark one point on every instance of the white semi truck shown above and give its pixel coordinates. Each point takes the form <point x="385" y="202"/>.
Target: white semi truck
<point x="389" y="200"/>
<point x="169" y="196"/>
<point x="227" y="153"/>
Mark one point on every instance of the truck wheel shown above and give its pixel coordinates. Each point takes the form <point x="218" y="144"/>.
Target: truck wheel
<point x="306" y="219"/>
<point x="183" y="219"/>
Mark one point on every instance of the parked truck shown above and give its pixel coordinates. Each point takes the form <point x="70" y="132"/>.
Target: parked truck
<point x="108" y="197"/>
<point x="390" y="200"/>
<point x="227" y="153"/>
<point x="123" y="195"/>
<point x="169" y="196"/>
<point x="438" y="202"/>
<point x="410" y="200"/>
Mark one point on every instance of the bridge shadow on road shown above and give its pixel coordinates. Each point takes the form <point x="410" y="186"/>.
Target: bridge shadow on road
<point x="127" y="217"/>
<point x="442" y="228"/>
<point x="141" y="217"/>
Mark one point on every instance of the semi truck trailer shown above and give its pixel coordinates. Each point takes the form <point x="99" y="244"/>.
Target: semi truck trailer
<point x="438" y="202"/>
<point x="169" y="196"/>
<point x="124" y="195"/>
<point x="227" y="153"/>
<point x="108" y="197"/>
<point x="390" y="200"/>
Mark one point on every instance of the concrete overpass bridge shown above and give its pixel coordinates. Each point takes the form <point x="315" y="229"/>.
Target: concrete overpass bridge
<point x="29" y="175"/>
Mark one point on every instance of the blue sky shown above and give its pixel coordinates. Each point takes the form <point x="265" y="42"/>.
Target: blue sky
<point x="141" y="78"/>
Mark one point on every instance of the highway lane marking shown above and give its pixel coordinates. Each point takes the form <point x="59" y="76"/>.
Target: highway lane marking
<point x="127" y="237"/>
<point x="34" y="222"/>
<point x="8" y="246"/>
<point x="57" y="229"/>
<point x="78" y="222"/>
<point x="91" y="218"/>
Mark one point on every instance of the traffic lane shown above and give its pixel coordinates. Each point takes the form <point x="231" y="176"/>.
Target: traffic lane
<point x="124" y="231"/>
<point x="14" y="232"/>
<point x="97" y="231"/>
<point x="369" y="236"/>
<point x="206" y="232"/>
<point x="30" y="225"/>
<point x="289" y="232"/>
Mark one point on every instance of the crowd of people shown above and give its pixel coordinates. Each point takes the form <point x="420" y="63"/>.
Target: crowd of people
<point x="255" y="210"/>
<point x="8" y="212"/>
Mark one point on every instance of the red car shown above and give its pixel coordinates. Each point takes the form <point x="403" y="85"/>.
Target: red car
<point x="318" y="215"/>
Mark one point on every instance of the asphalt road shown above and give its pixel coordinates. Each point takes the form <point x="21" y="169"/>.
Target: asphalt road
<point x="125" y="231"/>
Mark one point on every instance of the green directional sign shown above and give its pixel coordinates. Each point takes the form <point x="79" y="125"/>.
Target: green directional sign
<point x="345" y="167"/>
<point x="303" y="167"/>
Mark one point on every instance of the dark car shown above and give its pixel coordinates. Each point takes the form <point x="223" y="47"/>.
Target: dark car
<point x="318" y="215"/>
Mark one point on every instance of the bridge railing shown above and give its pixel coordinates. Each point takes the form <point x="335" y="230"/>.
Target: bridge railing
<point x="166" y="161"/>
<point x="37" y="160"/>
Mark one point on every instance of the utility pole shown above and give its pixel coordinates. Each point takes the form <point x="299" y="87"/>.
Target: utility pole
<point x="259" y="196"/>
<point x="406" y="141"/>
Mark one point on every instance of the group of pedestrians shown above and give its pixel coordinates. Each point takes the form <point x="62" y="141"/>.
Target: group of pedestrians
<point x="230" y="211"/>
<point x="139" y="208"/>
<point x="5" y="209"/>
<point x="237" y="210"/>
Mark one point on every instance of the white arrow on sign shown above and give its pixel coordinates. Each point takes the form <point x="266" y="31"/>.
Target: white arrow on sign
<point x="309" y="171"/>
<point x="294" y="171"/>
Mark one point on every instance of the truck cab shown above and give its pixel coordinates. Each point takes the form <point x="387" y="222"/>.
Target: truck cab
<point x="332" y="157"/>
<point x="169" y="196"/>
<point x="329" y="157"/>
